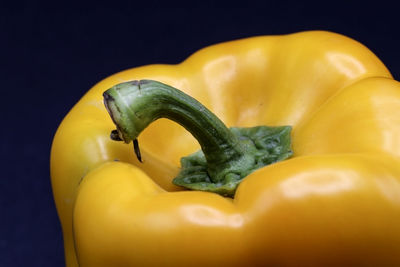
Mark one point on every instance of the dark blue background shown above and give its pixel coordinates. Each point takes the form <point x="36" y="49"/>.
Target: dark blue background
<point x="50" y="56"/>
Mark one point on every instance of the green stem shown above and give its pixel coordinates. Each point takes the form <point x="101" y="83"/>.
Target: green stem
<point x="228" y="154"/>
<point x="134" y="105"/>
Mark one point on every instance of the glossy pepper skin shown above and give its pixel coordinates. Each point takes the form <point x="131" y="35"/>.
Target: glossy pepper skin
<point x="336" y="202"/>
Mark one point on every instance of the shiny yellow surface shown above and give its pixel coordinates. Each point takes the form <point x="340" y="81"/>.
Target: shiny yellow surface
<point x="336" y="202"/>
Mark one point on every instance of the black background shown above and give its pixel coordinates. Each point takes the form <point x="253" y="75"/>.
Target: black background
<point x="50" y="56"/>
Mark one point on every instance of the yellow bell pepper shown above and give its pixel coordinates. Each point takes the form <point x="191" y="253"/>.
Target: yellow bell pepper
<point x="335" y="202"/>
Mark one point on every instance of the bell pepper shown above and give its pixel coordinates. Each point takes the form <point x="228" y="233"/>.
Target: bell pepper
<point x="334" y="202"/>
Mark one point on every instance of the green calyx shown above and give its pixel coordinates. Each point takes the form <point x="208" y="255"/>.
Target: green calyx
<point x="262" y="145"/>
<point x="226" y="155"/>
